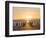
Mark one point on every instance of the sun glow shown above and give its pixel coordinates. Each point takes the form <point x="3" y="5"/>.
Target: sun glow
<point x="28" y="17"/>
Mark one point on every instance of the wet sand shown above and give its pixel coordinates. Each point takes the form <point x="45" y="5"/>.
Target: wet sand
<point x="27" y="27"/>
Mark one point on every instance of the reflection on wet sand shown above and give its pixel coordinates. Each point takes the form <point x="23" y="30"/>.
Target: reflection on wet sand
<point x="26" y="25"/>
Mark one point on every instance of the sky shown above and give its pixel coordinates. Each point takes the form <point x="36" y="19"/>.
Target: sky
<point x="26" y="13"/>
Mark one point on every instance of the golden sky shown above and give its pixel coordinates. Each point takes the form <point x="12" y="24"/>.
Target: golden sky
<point x="26" y="12"/>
